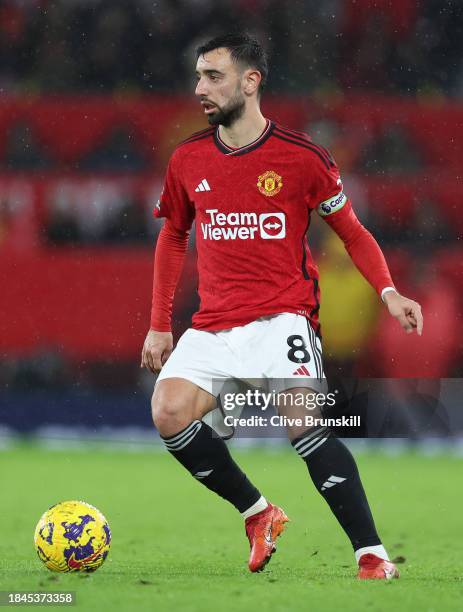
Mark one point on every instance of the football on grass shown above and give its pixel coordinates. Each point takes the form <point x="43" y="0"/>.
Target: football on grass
<point x="72" y="536"/>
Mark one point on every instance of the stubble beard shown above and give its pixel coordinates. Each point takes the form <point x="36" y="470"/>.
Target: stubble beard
<point x="227" y="115"/>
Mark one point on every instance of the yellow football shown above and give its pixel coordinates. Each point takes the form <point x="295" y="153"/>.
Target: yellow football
<point x="72" y="536"/>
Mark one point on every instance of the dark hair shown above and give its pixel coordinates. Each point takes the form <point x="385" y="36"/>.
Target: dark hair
<point x="244" y="49"/>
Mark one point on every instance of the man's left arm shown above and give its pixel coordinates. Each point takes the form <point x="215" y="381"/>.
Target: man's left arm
<point x="369" y="259"/>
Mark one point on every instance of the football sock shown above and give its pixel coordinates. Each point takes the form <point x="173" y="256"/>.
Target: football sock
<point x="207" y="458"/>
<point x="260" y="505"/>
<point x="335" y="474"/>
<point x="379" y="551"/>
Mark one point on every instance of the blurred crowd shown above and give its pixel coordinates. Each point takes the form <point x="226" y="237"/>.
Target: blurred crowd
<point x="406" y="47"/>
<point x="91" y="206"/>
<point x="402" y="175"/>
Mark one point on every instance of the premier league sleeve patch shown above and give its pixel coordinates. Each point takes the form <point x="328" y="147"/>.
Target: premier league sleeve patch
<point x="330" y="206"/>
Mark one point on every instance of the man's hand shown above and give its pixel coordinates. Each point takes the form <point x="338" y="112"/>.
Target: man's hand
<point x="406" y="311"/>
<point x="156" y="350"/>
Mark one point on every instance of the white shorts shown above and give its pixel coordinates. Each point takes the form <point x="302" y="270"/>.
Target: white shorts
<point x="281" y="349"/>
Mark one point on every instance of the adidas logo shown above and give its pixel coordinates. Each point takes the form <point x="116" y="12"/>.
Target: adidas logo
<point x="203" y="186"/>
<point x="302" y="371"/>
<point x="201" y="475"/>
<point x="331" y="482"/>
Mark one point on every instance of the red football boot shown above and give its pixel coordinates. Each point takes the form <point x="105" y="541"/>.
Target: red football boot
<point x="372" y="567"/>
<point x="262" y="530"/>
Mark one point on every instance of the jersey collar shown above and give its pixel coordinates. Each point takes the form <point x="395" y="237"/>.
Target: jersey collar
<point x="226" y="150"/>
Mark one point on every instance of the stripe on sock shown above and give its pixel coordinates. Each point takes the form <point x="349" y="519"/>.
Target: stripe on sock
<point x="308" y="452"/>
<point x="302" y="442"/>
<point x="179" y="435"/>
<point x="182" y="439"/>
<point x="312" y="441"/>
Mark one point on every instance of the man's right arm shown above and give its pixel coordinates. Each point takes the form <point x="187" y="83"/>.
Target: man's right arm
<point x="175" y="205"/>
<point x="168" y="263"/>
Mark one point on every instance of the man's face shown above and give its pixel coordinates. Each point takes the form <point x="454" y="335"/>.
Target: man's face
<point x="219" y="87"/>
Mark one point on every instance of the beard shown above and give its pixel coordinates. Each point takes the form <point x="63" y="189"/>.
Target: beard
<point x="228" y="114"/>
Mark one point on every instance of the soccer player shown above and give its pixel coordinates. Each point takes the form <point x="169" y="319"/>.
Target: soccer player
<point x="251" y="185"/>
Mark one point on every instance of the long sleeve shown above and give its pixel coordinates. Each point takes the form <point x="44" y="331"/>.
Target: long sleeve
<point x="168" y="263"/>
<point x="361" y="246"/>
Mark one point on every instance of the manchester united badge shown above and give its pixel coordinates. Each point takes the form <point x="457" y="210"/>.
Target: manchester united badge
<point x="269" y="183"/>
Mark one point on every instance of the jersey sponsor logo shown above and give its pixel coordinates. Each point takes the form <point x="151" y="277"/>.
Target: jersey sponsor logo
<point x="269" y="183"/>
<point x="272" y="226"/>
<point x="243" y="225"/>
<point x="330" y="206"/>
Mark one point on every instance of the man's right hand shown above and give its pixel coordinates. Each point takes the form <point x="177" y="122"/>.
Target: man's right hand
<point x="156" y="350"/>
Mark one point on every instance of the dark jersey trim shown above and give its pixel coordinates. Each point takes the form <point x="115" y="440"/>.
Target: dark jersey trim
<point x="200" y="133"/>
<point x="305" y="138"/>
<point x="247" y="148"/>
<point x="305" y="274"/>
<point x="325" y="151"/>
<point x="305" y="146"/>
<point x="316" y="308"/>
<point x="219" y="144"/>
<point x="295" y="134"/>
<point x="328" y="154"/>
<point x="195" y="138"/>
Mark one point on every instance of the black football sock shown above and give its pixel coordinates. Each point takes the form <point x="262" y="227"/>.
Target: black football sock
<point x="207" y="458"/>
<point x="335" y="474"/>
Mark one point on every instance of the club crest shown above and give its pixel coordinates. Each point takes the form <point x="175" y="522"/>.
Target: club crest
<point x="269" y="183"/>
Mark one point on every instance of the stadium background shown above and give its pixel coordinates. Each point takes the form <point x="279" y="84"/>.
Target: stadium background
<point x="94" y="95"/>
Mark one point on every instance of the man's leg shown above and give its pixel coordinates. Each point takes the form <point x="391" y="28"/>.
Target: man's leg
<point x="178" y="406"/>
<point x="335" y="475"/>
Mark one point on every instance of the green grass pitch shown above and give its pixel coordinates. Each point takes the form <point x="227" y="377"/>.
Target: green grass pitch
<point x="178" y="547"/>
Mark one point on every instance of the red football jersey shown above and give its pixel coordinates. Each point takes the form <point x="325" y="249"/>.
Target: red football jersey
<point x="252" y="208"/>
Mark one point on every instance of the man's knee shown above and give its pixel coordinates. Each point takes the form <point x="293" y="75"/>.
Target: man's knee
<point x="176" y="403"/>
<point x="170" y="412"/>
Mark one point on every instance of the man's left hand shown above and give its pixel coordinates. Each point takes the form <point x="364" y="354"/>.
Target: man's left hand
<point x="406" y="311"/>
